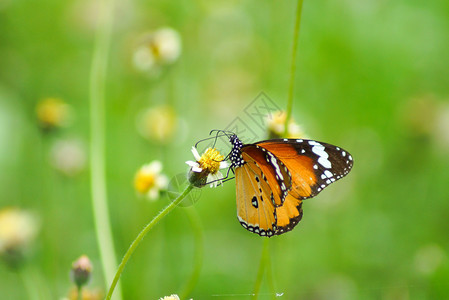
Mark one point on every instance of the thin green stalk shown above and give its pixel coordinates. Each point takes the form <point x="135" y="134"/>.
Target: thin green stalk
<point x="269" y="272"/>
<point x="97" y="143"/>
<point x="80" y="292"/>
<point x="198" y="252"/>
<point x="291" y="88"/>
<point x="262" y="265"/>
<point x="141" y="235"/>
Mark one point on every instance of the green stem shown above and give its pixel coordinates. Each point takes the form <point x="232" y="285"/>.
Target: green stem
<point x="262" y="266"/>
<point x="198" y="252"/>
<point x="140" y="237"/>
<point x="80" y="292"/>
<point x="293" y="66"/>
<point x="97" y="143"/>
<point x="269" y="270"/>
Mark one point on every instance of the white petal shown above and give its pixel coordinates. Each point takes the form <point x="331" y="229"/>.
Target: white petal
<point x="215" y="179"/>
<point x="224" y="164"/>
<point x="197" y="169"/>
<point x="192" y="163"/>
<point x="162" y="182"/>
<point x="195" y="153"/>
<point x="153" y="193"/>
<point x="155" y="166"/>
<point x="219" y="176"/>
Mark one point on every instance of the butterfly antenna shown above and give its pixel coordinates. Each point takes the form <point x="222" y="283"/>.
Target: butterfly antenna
<point x="209" y="138"/>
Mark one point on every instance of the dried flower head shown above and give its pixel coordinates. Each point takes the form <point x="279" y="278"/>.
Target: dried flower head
<point x="276" y="126"/>
<point x="206" y="168"/>
<point x="81" y="271"/>
<point x="18" y="228"/>
<point x="158" y="48"/>
<point x="149" y="181"/>
<point x="157" y="123"/>
<point x="53" y="113"/>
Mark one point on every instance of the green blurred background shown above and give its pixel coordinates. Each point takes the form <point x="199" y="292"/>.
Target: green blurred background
<point x="373" y="77"/>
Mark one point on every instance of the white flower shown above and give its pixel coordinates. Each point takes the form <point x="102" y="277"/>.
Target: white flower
<point x="149" y="181"/>
<point x="171" y="297"/>
<point x="207" y="167"/>
<point x="68" y="157"/>
<point x="158" y="48"/>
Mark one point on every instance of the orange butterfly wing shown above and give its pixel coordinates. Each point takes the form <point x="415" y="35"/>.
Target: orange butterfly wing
<point x="276" y="175"/>
<point x="288" y="215"/>
<point x="255" y="210"/>
<point x="313" y="165"/>
<point x="285" y="172"/>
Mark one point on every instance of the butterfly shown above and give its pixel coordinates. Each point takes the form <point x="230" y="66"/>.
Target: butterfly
<point x="273" y="177"/>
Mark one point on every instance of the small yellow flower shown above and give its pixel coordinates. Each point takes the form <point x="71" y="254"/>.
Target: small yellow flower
<point x="206" y="168"/>
<point x="18" y="228"/>
<point x="171" y="297"/>
<point x="158" y="123"/>
<point x="276" y="126"/>
<point x="53" y="113"/>
<point x="81" y="270"/>
<point x="149" y="181"/>
<point x="86" y="294"/>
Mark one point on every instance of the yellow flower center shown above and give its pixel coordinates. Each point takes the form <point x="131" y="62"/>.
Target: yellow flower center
<point x="210" y="160"/>
<point x="144" y="181"/>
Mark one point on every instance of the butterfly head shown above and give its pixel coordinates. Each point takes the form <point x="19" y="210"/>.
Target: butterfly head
<point x="236" y="155"/>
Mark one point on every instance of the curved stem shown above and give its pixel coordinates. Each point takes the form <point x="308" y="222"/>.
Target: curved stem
<point x="140" y="237"/>
<point x="198" y="252"/>
<point x="97" y="142"/>
<point x="293" y="66"/>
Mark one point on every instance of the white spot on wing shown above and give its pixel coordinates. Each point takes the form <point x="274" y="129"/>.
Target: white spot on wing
<point x="319" y="150"/>
<point x="328" y="174"/>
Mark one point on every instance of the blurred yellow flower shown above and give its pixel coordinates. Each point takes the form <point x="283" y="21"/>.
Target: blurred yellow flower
<point x="276" y="126"/>
<point x="18" y="228"/>
<point x="206" y="168"/>
<point x="53" y="113"/>
<point x="171" y="297"/>
<point x="156" y="49"/>
<point x="418" y="115"/>
<point x="86" y="294"/>
<point x="81" y="270"/>
<point x="149" y="181"/>
<point x="157" y="123"/>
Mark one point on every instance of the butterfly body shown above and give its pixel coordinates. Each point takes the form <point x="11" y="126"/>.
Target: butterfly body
<point x="273" y="177"/>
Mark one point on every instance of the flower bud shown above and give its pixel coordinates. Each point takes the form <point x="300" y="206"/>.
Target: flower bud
<point x="81" y="271"/>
